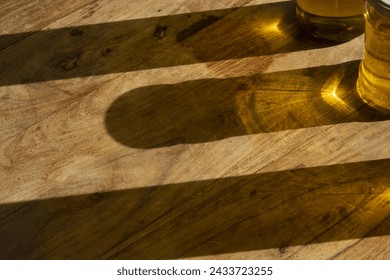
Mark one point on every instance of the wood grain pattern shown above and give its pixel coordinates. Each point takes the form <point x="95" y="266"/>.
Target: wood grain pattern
<point x="157" y="42"/>
<point x="272" y="210"/>
<point x="215" y="109"/>
<point x="185" y="130"/>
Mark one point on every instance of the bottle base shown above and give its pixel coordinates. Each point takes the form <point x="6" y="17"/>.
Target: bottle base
<point x="331" y="28"/>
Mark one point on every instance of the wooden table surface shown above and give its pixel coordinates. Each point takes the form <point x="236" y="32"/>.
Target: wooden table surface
<point x="185" y="129"/>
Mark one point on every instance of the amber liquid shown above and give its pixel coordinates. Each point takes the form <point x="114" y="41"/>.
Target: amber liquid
<point x="339" y="20"/>
<point x="374" y="76"/>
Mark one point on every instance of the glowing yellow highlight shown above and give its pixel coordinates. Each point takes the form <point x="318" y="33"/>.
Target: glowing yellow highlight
<point x="329" y="93"/>
<point x="268" y="27"/>
<point x="274" y="26"/>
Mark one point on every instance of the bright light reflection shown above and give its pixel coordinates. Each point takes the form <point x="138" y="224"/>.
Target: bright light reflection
<point x="270" y="27"/>
<point x="330" y="91"/>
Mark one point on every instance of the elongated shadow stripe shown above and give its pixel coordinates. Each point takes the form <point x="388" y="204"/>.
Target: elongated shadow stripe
<point x="261" y="211"/>
<point x="152" y="43"/>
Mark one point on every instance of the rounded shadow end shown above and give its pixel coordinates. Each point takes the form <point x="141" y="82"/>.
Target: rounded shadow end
<point x="209" y="110"/>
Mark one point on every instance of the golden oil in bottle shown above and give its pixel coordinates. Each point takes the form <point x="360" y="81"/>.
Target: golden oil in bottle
<point x="338" y="20"/>
<point x="374" y="75"/>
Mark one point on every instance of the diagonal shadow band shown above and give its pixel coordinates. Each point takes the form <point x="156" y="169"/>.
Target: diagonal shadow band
<point x="214" y="109"/>
<point x="152" y="43"/>
<point x="261" y="211"/>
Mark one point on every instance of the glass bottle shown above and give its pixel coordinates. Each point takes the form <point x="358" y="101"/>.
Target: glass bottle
<point x="338" y="20"/>
<point x="374" y="74"/>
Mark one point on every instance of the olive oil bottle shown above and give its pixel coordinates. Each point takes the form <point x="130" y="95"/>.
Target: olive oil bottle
<point x="374" y="75"/>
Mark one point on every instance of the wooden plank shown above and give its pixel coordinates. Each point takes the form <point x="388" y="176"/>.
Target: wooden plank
<point x="116" y="47"/>
<point x="273" y="210"/>
<point x="21" y="18"/>
<point x="210" y="130"/>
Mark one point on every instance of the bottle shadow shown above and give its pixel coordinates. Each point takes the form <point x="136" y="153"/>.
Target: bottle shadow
<point x="152" y="43"/>
<point x="214" y="109"/>
<point x="204" y="218"/>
